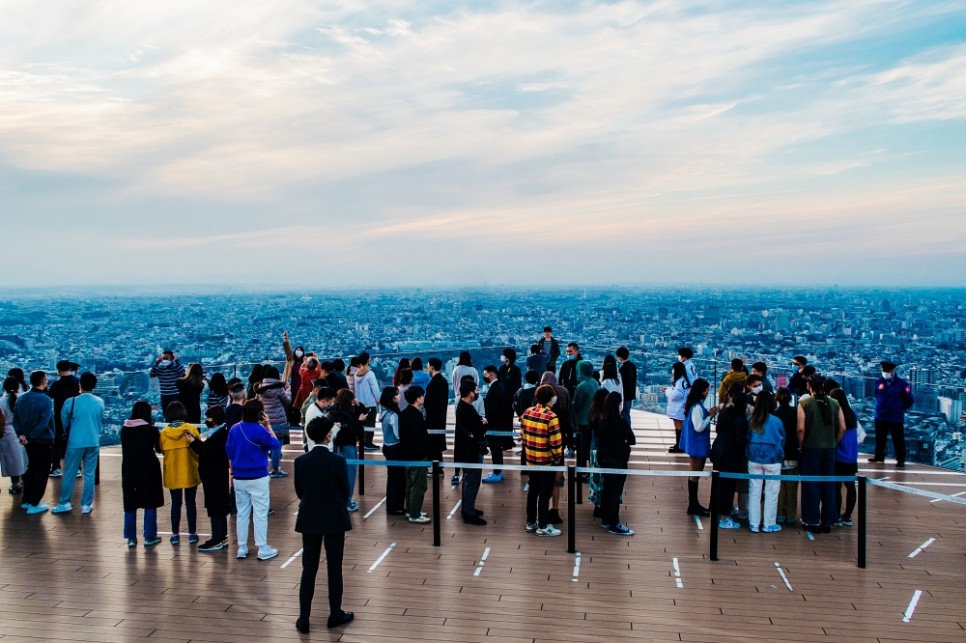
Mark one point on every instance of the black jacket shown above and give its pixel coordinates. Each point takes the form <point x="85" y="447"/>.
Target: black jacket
<point x="568" y="374"/>
<point x="614" y="440"/>
<point x="413" y="438"/>
<point x="140" y="469"/>
<point x="352" y="428"/>
<point x="470" y="432"/>
<point x="498" y="405"/>
<point x="511" y="378"/>
<point x="322" y="485"/>
<point x="628" y="372"/>
<point x="213" y="469"/>
<point x="435" y="404"/>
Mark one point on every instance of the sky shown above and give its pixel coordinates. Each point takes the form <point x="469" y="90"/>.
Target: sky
<point x="391" y="143"/>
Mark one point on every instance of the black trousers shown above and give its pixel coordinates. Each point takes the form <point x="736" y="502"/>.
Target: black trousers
<point x="395" y="481"/>
<point x="38" y="470"/>
<point x="538" y="496"/>
<point x="311" y="553"/>
<point x="610" y="497"/>
<point x="885" y="428"/>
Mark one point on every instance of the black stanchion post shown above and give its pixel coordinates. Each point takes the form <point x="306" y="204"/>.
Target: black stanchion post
<point x="862" y="524"/>
<point x="97" y="472"/>
<point x="714" y="515"/>
<point x="437" y="474"/>
<point x="578" y="492"/>
<point x="361" y="475"/>
<point x="571" y="509"/>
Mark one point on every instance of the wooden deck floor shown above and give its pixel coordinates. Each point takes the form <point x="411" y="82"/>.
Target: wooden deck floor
<point x="72" y="577"/>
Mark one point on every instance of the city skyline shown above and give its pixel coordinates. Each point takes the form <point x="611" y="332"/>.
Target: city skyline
<point x="334" y="145"/>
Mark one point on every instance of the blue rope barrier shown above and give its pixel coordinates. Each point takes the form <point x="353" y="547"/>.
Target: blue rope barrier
<point x="761" y="476"/>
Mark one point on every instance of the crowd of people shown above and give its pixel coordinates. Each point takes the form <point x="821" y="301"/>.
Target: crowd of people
<point x="233" y="447"/>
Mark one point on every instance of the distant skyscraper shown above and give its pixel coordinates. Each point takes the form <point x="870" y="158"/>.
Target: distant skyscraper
<point x="712" y="315"/>
<point x="920" y="377"/>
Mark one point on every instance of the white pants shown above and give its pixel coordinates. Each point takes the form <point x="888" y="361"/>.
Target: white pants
<point x="252" y="494"/>
<point x="771" y="494"/>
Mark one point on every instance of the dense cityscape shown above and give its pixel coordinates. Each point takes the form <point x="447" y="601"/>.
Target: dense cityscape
<point x="843" y="332"/>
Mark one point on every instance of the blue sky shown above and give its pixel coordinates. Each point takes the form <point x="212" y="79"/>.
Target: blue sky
<point x="440" y="143"/>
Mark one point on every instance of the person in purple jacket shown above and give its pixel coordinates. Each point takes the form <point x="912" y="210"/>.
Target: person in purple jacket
<point x="249" y="444"/>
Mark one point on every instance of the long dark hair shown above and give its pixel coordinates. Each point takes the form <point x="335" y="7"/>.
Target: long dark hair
<point x="386" y="400"/>
<point x="141" y="411"/>
<point x="404" y="363"/>
<point x="851" y="421"/>
<point x="11" y="387"/>
<point x="195" y="375"/>
<point x="218" y="385"/>
<point x="596" y="413"/>
<point x="816" y="384"/>
<point x="465" y="359"/>
<point x="344" y="400"/>
<point x="764" y="404"/>
<point x="678" y="371"/>
<point x="699" y="387"/>
<point x="612" y="407"/>
<point x="609" y="368"/>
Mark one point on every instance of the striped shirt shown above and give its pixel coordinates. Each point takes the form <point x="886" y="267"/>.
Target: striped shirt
<point x="168" y="376"/>
<point x="542" y="441"/>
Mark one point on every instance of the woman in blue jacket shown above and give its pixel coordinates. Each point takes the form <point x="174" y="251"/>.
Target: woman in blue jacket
<point x="765" y="450"/>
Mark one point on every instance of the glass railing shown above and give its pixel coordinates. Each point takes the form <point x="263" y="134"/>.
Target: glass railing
<point x="934" y="425"/>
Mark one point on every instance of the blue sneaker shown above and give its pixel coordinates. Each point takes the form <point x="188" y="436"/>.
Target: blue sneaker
<point x="352" y="506"/>
<point x="771" y="529"/>
<point x="493" y="477"/>
<point x="728" y="523"/>
<point x="176" y="539"/>
<point x="192" y="539"/>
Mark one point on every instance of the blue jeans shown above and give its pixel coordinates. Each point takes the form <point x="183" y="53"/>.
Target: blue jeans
<point x="72" y="460"/>
<point x="349" y="451"/>
<point x="626" y="411"/>
<point x="150" y="524"/>
<point x="188" y="495"/>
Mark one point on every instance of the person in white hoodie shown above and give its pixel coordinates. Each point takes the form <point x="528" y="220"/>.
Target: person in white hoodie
<point x="676" y="394"/>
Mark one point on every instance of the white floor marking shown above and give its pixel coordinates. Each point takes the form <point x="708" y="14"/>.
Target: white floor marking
<point x="781" y="572"/>
<point x="486" y="554"/>
<point x="912" y="606"/>
<point x="383" y="557"/>
<point x="292" y="559"/>
<point x="918" y="550"/>
<point x="458" y="503"/>
<point x="677" y="574"/>
<point x="577" y="567"/>
<point x="373" y="510"/>
<point x="955" y="495"/>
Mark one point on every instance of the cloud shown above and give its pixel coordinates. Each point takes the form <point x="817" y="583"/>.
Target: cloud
<point x="443" y="121"/>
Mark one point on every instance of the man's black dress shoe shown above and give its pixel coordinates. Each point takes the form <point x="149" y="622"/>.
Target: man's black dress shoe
<point x="302" y="625"/>
<point x="340" y="619"/>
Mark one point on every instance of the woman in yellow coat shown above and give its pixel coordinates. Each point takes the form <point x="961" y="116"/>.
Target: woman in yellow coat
<point x="180" y="470"/>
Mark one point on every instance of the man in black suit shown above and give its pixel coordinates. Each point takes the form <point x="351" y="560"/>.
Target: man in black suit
<point x="322" y="485"/>
<point x="437" y="400"/>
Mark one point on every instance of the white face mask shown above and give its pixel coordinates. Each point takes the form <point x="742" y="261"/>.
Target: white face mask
<point x="756" y="389"/>
<point x="166" y="362"/>
<point x="886" y="376"/>
<point x="298" y="353"/>
<point x="503" y="358"/>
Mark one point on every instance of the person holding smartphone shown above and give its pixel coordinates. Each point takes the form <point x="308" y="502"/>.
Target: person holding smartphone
<point x="249" y="444"/>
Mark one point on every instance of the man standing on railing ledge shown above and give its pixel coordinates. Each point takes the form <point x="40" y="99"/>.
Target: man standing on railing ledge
<point x="893" y="397"/>
<point x="168" y="370"/>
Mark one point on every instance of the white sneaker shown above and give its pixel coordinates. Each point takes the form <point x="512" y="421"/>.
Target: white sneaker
<point x="267" y="553"/>
<point x="37" y="509"/>
<point x="549" y="530"/>
<point x="422" y="520"/>
<point x="86" y="509"/>
<point x="242" y="552"/>
<point x="62" y="508"/>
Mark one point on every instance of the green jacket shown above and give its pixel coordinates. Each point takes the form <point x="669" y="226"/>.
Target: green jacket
<point x="584" y="393"/>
